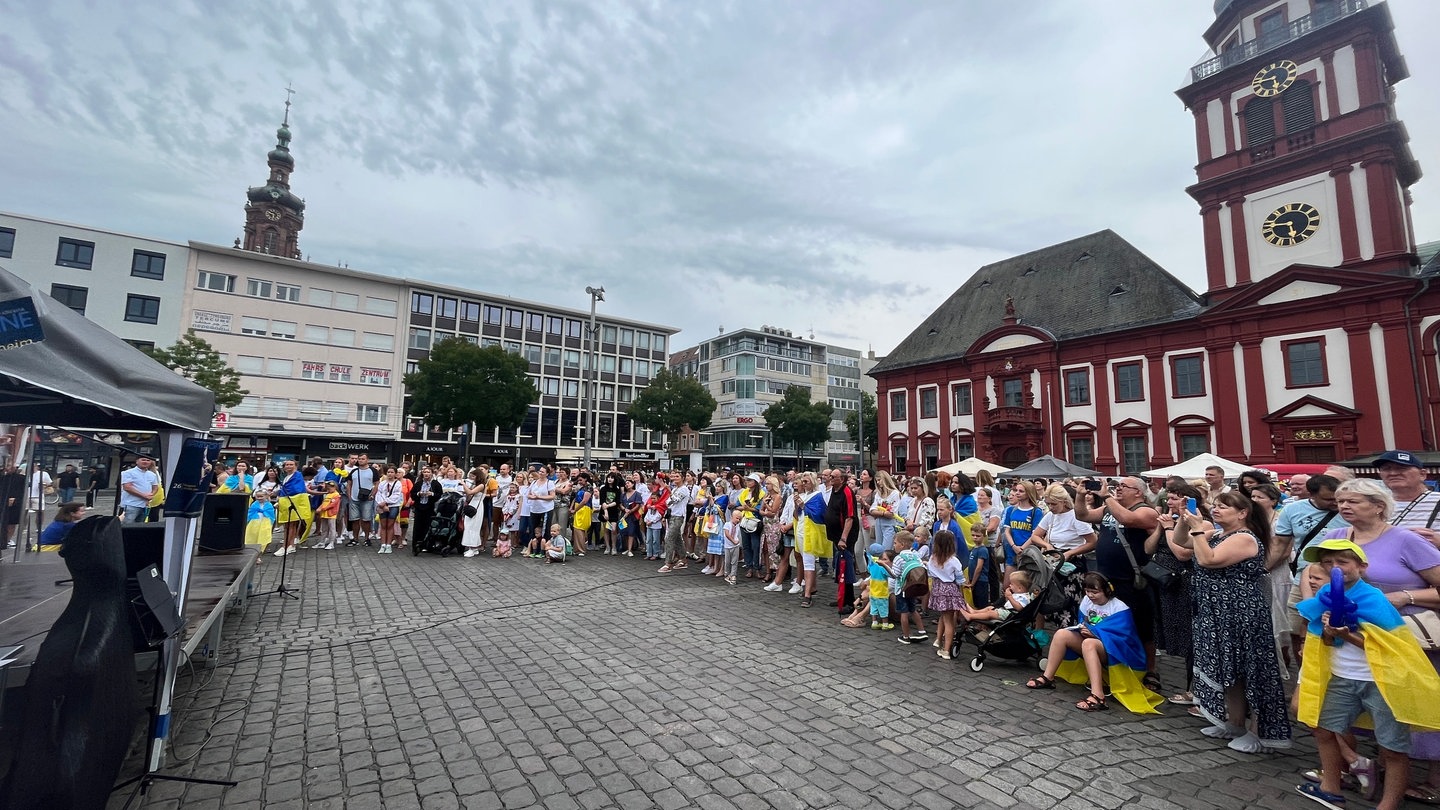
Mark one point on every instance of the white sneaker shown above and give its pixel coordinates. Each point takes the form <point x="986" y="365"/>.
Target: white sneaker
<point x="330" y="546"/>
<point x="384" y="548"/>
<point x="347" y="536"/>
<point x="772" y="587"/>
<point x="629" y="554"/>
<point x="280" y="552"/>
<point x="472" y="553"/>
<point x="707" y="570"/>
<point x="795" y="588"/>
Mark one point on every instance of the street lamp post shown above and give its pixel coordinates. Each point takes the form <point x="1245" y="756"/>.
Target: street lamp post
<point x="597" y="294"/>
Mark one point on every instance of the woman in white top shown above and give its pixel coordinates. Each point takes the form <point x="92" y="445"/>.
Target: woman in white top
<point x="922" y="506"/>
<point x="987" y="528"/>
<point x="473" y="538"/>
<point x="885" y="509"/>
<point x="389" y="497"/>
<point x="1060" y="530"/>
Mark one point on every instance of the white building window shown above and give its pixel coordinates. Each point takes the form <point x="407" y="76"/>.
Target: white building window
<point x="312" y="371"/>
<point x="320" y="298"/>
<point x="219" y="282"/>
<point x="274" y="406"/>
<point x="254" y="326"/>
<point x="279" y="367"/>
<point x="382" y="306"/>
<point x="317" y="334"/>
<point x="375" y="376"/>
<point x="339" y="373"/>
<point x="374" y="414"/>
<point x="348" y="302"/>
<point x="283" y="329"/>
<point x="249" y="364"/>
<point x="375" y="340"/>
<point x="287" y="292"/>
<point x="249" y="406"/>
<point x="342" y="337"/>
<point x="259" y="287"/>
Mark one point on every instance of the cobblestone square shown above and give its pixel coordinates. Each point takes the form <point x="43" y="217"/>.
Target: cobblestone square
<point x="421" y="682"/>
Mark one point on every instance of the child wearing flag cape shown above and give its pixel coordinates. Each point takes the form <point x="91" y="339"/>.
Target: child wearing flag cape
<point x="1103" y="643"/>
<point x="1374" y="666"/>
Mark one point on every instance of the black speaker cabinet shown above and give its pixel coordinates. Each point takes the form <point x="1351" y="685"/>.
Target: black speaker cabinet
<point x="153" y="615"/>
<point x="144" y="546"/>
<point x="222" y="524"/>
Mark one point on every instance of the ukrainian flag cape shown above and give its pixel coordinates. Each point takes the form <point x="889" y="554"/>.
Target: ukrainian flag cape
<point x="1125" y="658"/>
<point x="1405" y="677"/>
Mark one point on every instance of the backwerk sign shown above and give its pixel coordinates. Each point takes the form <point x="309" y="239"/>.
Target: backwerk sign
<point x="19" y="323"/>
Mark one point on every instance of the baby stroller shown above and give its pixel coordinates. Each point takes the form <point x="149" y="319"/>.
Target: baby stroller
<point x="1016" y="638"/>
<point x="444" y="534"/>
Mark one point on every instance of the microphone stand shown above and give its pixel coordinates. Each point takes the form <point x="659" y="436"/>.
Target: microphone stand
<point x="284" y="561"/>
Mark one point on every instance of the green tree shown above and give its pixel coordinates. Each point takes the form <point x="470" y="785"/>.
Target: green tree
<point x="796" y="419"/>
<point x="195" y="359"/>
<point x="672" y="401"/>
<point x="460" y="383"/>
<point x="872" y="423"/>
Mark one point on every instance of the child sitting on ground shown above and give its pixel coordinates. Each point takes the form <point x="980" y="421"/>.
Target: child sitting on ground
<point x="1372" y="665"/>
<point x="1017" y="596"/>
<point x="555" y="546"/>
<point x="502" y="548"/>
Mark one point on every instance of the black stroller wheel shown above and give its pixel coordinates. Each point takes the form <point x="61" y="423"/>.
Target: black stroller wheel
<point x="977" y="663"/>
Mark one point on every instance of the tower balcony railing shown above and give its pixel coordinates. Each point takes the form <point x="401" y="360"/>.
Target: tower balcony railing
<point x="1321" y="17"/>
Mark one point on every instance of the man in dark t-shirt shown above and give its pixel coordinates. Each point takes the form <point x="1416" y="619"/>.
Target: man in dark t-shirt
<point x="1125" y="516"/>
<point x="67" y="481"/>
<point x="842" y="527"/>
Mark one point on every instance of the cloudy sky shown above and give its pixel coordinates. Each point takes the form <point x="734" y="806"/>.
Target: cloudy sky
<point x="826" y="165"/>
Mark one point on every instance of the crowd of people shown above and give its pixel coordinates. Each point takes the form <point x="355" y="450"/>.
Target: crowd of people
<point x="1235" y="580"/>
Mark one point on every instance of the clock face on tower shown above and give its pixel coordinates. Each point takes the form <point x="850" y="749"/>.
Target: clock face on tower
<point x="1274" y="78"/>
<point x="272" y="215"/>
<point x="1290" y="224"/>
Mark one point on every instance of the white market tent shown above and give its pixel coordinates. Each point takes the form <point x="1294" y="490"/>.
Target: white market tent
<point x="971" y="466"/>
<point x="1192" y="468"/>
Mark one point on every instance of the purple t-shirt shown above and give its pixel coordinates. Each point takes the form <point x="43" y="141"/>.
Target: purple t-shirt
<point x="1396" y="558"/>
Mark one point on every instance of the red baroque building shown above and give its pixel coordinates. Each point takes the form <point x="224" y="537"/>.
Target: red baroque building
<point x="1316" y="339"/>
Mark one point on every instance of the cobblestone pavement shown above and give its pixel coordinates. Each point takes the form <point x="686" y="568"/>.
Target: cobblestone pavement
<point x="404" y="682"/>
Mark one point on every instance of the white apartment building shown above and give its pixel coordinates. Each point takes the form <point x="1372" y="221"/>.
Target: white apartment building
<point x="316" y="346"/>
<point x="129" y="285"/>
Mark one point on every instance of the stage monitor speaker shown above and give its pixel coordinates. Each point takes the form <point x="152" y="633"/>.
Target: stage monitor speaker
<point x="222" y="524"/>
<point x="153" y="615"/>
<point x="144" y="546"/>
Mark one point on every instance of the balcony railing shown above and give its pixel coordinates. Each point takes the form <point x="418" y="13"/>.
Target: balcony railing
<point x="1320" y="18"/>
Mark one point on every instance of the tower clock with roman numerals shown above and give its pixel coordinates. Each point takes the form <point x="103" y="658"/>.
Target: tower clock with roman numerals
<point x="1290" y="224"/>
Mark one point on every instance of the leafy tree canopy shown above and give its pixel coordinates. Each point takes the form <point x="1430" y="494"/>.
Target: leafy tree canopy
<point x="796" y="419"/>
<point x="672" y="401"/>
<point x="872" y="423"/>
<point x="195" y="359"/>
<point x="460" y="383"/>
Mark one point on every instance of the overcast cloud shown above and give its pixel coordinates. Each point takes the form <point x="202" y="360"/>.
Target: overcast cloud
<point x="835" y="166"/>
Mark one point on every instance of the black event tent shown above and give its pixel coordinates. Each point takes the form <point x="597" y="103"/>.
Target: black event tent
<point x="1050" y="467"/>
<point x="85" y="377"/>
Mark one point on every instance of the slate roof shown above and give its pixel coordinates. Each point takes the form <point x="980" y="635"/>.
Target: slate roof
<point x="1429" y="256"/>
<point x="1094" y="284"/>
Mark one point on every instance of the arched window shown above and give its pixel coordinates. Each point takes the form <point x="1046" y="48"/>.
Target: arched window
<point x="1259" y="122"/>
<point x="1297" y="105"/>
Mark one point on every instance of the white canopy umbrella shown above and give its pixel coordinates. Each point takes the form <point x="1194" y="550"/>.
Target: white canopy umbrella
<point x="971" y="466"/>
<point x="1193" y="468"/>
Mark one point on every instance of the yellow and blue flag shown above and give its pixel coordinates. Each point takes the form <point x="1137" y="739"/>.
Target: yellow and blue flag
<point x="1125" y="661"/>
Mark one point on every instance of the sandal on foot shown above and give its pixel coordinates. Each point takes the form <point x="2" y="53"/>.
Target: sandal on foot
<point x="1040" y="682"/>
<point x="1151" y="681"/>
<point x="1092" y="703"/>
<point x="1183" y="699"/>
<point x="806" y="602"/>
<point x="1313" y="791"/>
<point x="1423" y="794"/>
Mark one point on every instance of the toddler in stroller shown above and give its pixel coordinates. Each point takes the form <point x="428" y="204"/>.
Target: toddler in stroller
<point x="1014" y="630"/>
<point x="444" y="534"/>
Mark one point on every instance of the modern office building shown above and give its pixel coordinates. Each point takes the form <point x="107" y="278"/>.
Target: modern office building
<point x="556" y="342"/>
<point x="747" y="370"/>
<point x="129" y="285"/>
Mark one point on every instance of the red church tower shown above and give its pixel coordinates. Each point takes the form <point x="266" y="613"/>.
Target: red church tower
<point x="1302" y="158"/>
<point x="273" y="214"/>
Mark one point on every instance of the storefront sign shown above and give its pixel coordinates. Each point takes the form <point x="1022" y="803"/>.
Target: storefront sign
<point x="375" y="449"/>
<point x="210" y="321"/>
<point x="339" y="373"/>
<point x="374" y="376"/>
<point x="744" y="420"/>
<point x="635" y="455"/>
<point x="220" y="421"/>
